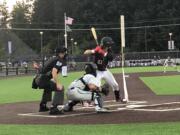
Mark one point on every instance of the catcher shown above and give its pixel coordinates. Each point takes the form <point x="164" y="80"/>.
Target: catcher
<point x="86" y="88"/>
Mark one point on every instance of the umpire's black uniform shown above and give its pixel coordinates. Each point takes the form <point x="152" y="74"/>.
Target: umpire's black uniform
<point x="45" y="80"/>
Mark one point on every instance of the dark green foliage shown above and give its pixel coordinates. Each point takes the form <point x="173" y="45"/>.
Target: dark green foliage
<point x="87" y="13"/>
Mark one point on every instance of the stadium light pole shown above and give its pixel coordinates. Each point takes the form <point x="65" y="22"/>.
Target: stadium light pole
<point x="170" y="35"/>
<point x="170" y="41"/>
<point x="72" y="42"/>
<point x="42" y="57"/>
<point x="75" y="44"/>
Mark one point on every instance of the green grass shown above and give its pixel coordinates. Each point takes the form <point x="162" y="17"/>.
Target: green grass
<point x="125" y="129"/>
<point x="142" y="69"/>
<point x="19" y="90"/>
<point x="163" y="85"/>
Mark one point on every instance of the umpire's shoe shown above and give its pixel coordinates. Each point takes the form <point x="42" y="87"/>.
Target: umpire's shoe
<point x="56" y="110"/>
<point x="43" y="108"/>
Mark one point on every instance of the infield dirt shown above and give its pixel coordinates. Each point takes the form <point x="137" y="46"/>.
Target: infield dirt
<point x="144" y="106"/>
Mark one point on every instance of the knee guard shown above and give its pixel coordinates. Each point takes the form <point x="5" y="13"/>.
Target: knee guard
<point x="98" y="100"/>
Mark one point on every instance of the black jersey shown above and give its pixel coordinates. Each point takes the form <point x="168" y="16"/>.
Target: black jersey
<point x="55" y="62"/>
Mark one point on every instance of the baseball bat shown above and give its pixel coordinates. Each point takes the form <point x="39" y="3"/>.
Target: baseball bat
<point x="93" y="30"/>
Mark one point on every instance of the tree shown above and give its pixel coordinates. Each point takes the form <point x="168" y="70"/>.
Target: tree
<point x="21" y="18"/>
<point x="4" y="15"/>
<point x="106" y="14"/>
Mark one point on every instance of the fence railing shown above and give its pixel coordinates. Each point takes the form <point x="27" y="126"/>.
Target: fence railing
<point x="8" y="71"/>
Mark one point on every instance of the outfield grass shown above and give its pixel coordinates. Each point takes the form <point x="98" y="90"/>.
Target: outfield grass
<point x="125" y="129"/>
<point x="163" y="85"/>
<point x="18" y="89"/>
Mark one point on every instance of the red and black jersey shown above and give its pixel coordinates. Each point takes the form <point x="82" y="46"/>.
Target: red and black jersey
<point x="100" y="54"/>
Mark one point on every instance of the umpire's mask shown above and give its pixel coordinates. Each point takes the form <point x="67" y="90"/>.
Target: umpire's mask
<point x="91" y="69"/>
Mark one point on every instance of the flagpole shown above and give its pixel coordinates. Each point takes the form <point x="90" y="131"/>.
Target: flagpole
<point x="65" y="30"/>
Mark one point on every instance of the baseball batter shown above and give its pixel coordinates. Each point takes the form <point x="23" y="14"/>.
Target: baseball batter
<point x="87" y="88"/>
<point x="103" y="54"/>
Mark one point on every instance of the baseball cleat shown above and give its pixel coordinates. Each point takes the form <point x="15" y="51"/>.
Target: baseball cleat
<point x="60" y="107"/>
<point x="124" y="101"/>
<point x="55" y="110"/>
<point x="43" y="108"/>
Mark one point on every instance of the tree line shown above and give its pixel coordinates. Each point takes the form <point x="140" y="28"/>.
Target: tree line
<point x="148" y="23"/>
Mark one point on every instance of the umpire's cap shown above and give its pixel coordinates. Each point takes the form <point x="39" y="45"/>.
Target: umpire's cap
<point x="60" y="50"/>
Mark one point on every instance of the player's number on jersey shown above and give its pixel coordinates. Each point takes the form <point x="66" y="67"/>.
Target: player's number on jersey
<point x="100" y="62"/>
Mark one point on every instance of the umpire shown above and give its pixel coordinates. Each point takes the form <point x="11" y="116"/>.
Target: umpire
<point x="47" y="79"/>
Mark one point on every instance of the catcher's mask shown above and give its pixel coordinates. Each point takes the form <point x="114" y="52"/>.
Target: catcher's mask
<point x="91" y="69"/>
<point x="107" y="42"/>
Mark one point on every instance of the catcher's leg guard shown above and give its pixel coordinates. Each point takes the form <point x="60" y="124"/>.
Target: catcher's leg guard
<point x="99" y="104"/>
<point x="98" y="101"/>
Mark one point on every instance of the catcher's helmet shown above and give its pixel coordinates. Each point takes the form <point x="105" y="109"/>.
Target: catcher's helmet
<point x="91" y="69"/>
<point x="107" y="42"/>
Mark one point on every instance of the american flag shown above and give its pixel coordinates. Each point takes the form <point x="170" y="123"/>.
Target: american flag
<point x="69" y="20"/>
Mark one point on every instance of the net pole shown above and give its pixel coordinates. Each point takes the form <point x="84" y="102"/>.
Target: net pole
<point x="65" y="30"/>
<point x="122" y="25"/>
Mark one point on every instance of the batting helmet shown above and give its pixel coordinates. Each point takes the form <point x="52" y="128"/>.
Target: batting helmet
<point x="91" y="69"/>
<point x="107" y="42"/>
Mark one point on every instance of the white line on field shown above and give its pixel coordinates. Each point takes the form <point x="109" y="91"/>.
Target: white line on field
<point x="40" y="114"/>
<point x="129" y="102"/>
<point x="132" y="107"/>
<point x="138" y="107"/>
<point x="65" y="116"/>
<point x="37" y="115"/>
<point x="114" y="105"/>
<point x="155" y="110"/>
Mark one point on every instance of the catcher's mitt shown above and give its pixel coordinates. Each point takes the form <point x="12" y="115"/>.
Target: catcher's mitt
<point x="105" y="89"/>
